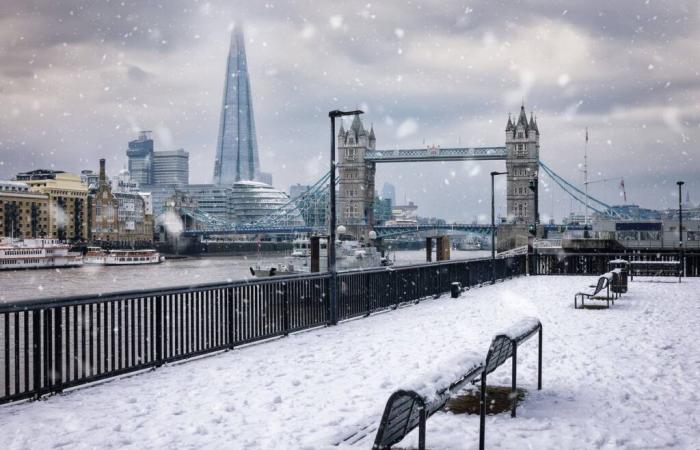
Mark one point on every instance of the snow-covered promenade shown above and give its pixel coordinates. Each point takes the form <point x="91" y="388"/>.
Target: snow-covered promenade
<point x="624" y="378"/>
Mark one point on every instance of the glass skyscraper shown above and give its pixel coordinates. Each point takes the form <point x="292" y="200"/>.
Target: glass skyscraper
<point x="237" y="148"/>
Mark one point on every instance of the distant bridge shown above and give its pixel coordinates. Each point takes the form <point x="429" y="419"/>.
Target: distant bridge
<point x="437" y="154"/>
<point x="398" y="230"/>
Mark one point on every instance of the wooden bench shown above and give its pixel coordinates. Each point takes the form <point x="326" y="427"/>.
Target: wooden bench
<point x="407" y="409"/>
<point x="603" y="285"/>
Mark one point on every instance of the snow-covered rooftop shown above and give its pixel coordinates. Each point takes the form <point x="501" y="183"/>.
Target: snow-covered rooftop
<point x="625" y="377"/>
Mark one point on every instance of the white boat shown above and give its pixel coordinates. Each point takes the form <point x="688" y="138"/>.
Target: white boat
<point x="36" y="254"/>
<point x="95" y="255"/>
<point x="350" y="254"/>
<point x="132" y="257"/>
<point x="262" y="270"/>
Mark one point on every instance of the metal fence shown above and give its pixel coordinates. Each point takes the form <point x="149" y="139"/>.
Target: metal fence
<point x="597" y="263"/>
<point x="49" y="346"/>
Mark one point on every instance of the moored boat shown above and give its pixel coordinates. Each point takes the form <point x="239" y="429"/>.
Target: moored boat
<point x="262" y="270"/>
<point x="94" y="255"/>
<point x="36" y="254"/>
<point x="132" y="257"/>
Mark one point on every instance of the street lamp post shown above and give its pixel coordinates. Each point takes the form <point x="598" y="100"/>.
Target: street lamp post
<point x="680" y="229"/>
<point x="493" y="228"/>
<point x="331" y="235"/>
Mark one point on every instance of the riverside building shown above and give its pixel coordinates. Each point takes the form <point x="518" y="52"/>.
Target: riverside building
<point x="119" y="219"/>
<point x="67" y="202"/>
<point x="23" y="214"/>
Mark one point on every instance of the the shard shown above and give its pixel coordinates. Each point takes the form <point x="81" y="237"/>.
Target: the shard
<point x="236" y="148"/>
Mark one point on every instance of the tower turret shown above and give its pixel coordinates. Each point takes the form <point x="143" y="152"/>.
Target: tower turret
<point x="522" y="162"/>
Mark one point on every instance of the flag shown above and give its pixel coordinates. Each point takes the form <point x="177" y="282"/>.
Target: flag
<point x="622" y="187"/>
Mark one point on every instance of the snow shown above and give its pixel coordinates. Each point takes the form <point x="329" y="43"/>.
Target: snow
<point x="520" y="328"/>
<point x="624" y="377"/>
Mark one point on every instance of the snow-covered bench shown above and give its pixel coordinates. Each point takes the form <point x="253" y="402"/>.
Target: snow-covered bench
<point x="601" y="291"/>
<point x="409" y="408"/>
<point x="655" y="268"/>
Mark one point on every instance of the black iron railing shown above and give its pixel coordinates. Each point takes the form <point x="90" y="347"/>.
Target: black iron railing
<point x="597" y="263"/>
<point x="50" y="345"/>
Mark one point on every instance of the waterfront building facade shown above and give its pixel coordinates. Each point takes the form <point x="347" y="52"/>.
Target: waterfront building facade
<point x="23" y="214"/>
<point x="252" y="201"/>
<point x="119" y="219"/>
<point x="67" y="201"/>
<point x="237" y="148"/>
<point x="213" y="199"/>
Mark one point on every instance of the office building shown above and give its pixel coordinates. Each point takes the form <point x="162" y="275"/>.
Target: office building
<point x="140" y="154"/>
<point x="237" y="147"/>
<point x="170" y="167"/>
<point x="389" y="192"/>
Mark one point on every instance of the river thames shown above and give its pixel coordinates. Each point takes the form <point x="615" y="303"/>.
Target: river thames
<point x="96" y="279"/>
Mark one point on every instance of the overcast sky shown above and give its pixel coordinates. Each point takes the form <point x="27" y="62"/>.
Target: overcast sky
<point x="79" y="79"/>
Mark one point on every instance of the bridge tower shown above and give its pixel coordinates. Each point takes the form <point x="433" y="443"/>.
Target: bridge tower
<point x="522" y="164"/>
<point x="356" y="184"/>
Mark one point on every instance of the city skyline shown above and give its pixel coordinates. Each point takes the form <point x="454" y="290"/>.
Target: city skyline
<point x="446" y="77"/>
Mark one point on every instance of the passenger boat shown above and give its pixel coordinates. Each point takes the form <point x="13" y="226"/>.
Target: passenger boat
<point x="95" y="255"/>
<point x="132" y="257"/>
<point x="36" y="254"/>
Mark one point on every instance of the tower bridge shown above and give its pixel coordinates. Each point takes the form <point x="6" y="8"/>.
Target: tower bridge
<point x="358" y="157"/>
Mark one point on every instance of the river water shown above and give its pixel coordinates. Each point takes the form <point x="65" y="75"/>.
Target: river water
<point x="96" y="279"/>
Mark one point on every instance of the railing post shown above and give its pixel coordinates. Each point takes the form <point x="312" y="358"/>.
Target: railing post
<point x="421" y="427"/>
<point x="395" y="288"/>
<point x="285" y="307"/>
<point x="333" y="304"/>
<point x="231" y="315"/>
<point x="539" y="362"/>
<point x="368" y="293"/>
<point x="36" y="349"/>
<point x="58" y="355"/>
<point x="514" y="387"/>
<point x="159" y="331"/>
<point x="482" y="411"/>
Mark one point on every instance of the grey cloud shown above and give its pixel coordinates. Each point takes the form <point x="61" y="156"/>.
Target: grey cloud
<point x="137" y="74"/>
<point x="68" y="118"/>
